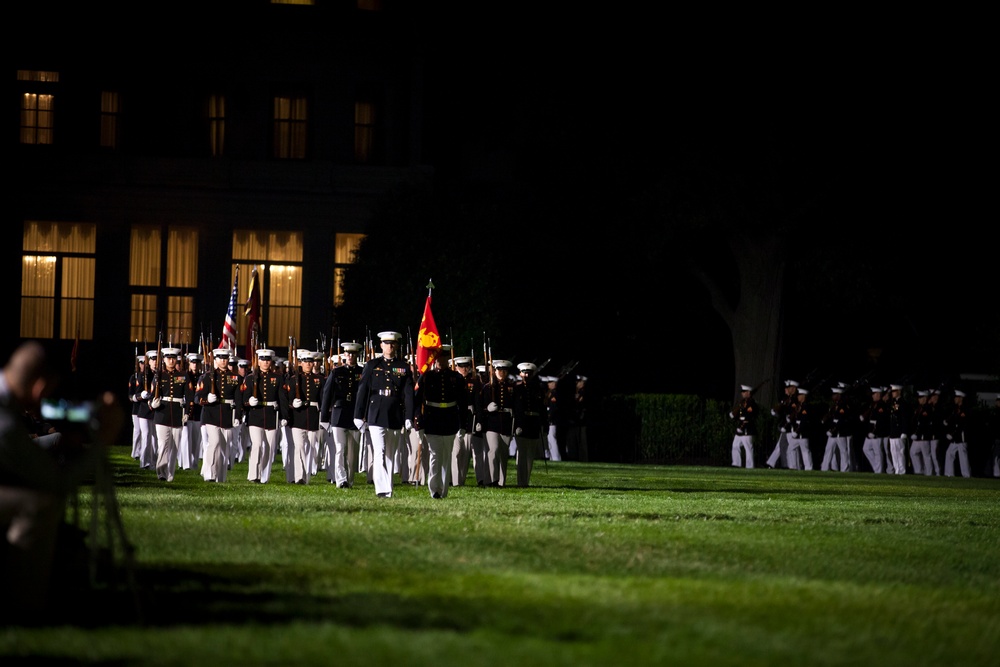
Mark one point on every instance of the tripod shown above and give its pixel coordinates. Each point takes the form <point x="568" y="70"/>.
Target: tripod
<point x="107" y="535"/>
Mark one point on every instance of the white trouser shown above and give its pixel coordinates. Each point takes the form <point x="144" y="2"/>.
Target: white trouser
<point x="189" y="450"/>
<point x="214" y="460"/>
<point x="261" y="454"/>
<point x="743" y="444"/>
<point x="147" y="454"/>
<point x="553" y="444"/>
<point x="873" y="451"/>
<point x="479" y="460"/>
<point x="460" y="458"/>
<point x="168" y="438"/>
<point x="344" y="459"/>
<point x="497" y="446"/>
<point x="303" y="458"/>
<point x="438" y="463"/>
<point x="962" y="451"/>
<point x="780" y="452"/>
<point x="836" y="447"/>
<point x="920" y="457"/>
<point x="799" y="455"/>
<point x="385" y="442"/>
<point x="897" y="447"/>
<point x="136" y="437"/>
<point x="525" y="453"/>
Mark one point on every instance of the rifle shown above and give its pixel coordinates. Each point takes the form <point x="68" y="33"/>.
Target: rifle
<point x="209" y="361"/>
<point x="295" y="372"/>
<point x="159" y="355"/>
<point x="488" y="356"/>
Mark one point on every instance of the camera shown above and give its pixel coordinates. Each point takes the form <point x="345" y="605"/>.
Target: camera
<point x="64" y="410"/>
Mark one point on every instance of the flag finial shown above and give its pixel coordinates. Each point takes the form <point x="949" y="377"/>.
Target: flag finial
<point x="430" y="286"/>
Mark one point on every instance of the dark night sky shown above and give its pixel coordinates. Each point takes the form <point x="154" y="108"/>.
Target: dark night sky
<point x="886" y="126"/>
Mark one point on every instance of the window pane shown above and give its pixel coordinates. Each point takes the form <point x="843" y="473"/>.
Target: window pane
<point x="78" y="277"/>
<point x="249" y="245"/>
<point x="283" y="322"/>
<point x="38" y="276"/>
<point x="60" y="237"/>
<point x="77" y="319"/>
<point x="285" y="247"/>
<point x="180" y="314"/>
<point x="346" y="246"/>
<point x="144" y="257"/>
<point x="182" y="257"/>
<point x="37" y="317"/>
<point x="143" y="319"/>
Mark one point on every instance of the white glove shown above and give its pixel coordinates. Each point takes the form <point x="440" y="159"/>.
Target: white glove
<point x="492" y="407"/>
<point x="284" y="423"/>
<point x="359" y="423"/>
<point x="774" y="413"/>
<point x="155" y="403"/>
<point x="783" y="429"/>
<point x="871" y="436"/>
<point x="325" y="426"/>
<point x="184" y="419"/>
<point x="145" y="395"/>
<point x="253" y="401"/>
<point x="297" y="403"/>
<point x="517" y="431"/>
<point x="134" y="398"/>
<point x="902" y="436"/>
<point x="793" y="434"/>
<point x="479" y="427"/>
<point x="236" y="422"/>
<point x="829" y="434"/>
<point x="212" y="398"/>
<point x="461" y="432"/>
<point x="408" y="424"/>
<point x="949" y="436"/>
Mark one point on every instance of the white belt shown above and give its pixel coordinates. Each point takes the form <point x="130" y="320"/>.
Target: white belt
<point x="269" y="404"/>
<point x="441" y="405"/>
<point x="385" y="392"/>
<point x="173" y="400"/>
<point x="229" y="401"/>
<point x="313" y="404"/>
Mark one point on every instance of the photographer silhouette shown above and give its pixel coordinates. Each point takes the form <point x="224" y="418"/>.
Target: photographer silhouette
<point x="35" y="482"/>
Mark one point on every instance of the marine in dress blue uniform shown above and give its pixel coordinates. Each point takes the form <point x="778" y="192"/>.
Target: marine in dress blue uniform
<point x="340" y="392"/>
<point x="385" y="407"/>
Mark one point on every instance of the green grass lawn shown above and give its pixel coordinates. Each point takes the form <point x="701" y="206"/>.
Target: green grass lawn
<point x="595" y="564"/>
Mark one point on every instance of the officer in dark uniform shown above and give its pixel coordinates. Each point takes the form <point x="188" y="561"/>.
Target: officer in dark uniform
<point x="783" y="414"/>
<point x="135" y="382"/>
<point x="530" y="420"/>
<point x="189" y="451"/>
<point x="497" y="419"/>
<point x="875" y="418"/>
<point x="801" y="423"/>
<point x="260" y="400"/>
<point x="218" y="393"/>
<point x="836" y="422"/>
<point x="470" y="446"/>
<point x="900" y="419"/>
<point x="385" y="407"/>
<point x="147" y="453"/>
<point x="300" y="395"/>
<point x="442" y="400"/>
<point x="923" y="433"/>
<point x="336" y="411"/>
<point x="167" y="403"/>
<point x="745" y="413"/>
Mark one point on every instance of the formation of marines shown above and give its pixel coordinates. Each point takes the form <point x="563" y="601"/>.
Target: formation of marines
<point x="923" y="432"/>
<point x="351" y="412"/>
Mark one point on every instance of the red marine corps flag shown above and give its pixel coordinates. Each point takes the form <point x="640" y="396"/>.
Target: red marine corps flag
<point x="428" y="339"/>
<point x="252" y="313"/>
<point x="228" y="341"/>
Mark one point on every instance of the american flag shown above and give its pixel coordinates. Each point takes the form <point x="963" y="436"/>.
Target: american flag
<point x="229" y="331"/>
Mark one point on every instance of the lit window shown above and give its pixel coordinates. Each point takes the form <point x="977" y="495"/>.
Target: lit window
<point x="57" y="280"/>
<point x="110" y="110"/>
<point x="293" y="2"/>
<point x="278" y="258"/>
<point x="343" y="255"/>
<point x="216" y="124"/>
<point x="36" y="118"/>
<point x="290" y="127"/>
<point x="364" y="131"/>
<point x="37" y="104"/>
<point x="169" y="280"/>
